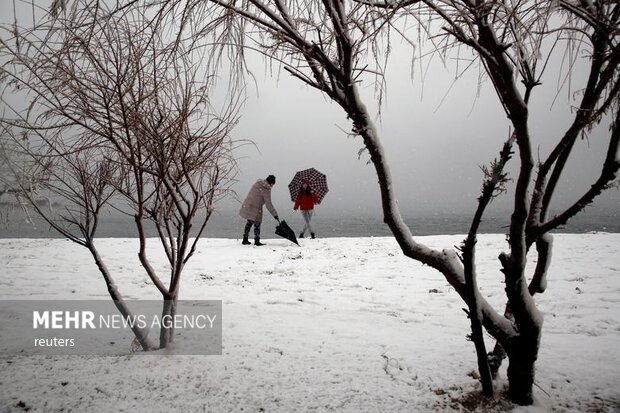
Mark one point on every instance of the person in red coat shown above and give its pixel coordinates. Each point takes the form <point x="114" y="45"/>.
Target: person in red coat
<point x="306" y="199"/>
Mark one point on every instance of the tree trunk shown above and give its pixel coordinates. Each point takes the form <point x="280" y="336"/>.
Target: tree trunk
<point x="521" y="361"/>
<point x="475" y="317"/>
<point x="140" y="334"/>
<point x="166" y="334"/>
<point x="496" y="357"/>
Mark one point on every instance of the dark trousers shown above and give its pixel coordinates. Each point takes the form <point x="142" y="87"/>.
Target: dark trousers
<point x="248" y="225"/>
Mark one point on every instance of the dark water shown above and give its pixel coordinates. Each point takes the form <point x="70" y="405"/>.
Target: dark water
<point x="351" y="224"/>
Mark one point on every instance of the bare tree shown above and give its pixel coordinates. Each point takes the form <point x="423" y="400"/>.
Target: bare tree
<point x="333" y="45"/>
<point x="120" y="116"/>
<point x="515" y="42"/>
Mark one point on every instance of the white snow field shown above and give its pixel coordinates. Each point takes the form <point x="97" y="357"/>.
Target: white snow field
<point x="338" y="324"/>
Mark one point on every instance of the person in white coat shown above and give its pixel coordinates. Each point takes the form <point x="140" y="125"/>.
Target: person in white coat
<point x="252" y="208"/>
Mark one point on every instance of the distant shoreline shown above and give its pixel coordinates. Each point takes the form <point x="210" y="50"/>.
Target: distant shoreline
<point x="272" y="238"/>
<point x="228" y="225"/>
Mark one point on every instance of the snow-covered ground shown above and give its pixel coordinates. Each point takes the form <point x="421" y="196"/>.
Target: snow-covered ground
<point x="340" y="324"/>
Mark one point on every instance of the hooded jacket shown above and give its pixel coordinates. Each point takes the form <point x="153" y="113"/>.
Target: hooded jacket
<point x="259" y="195"/>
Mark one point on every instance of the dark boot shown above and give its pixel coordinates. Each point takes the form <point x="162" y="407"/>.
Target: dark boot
<point x="301" y="235"/>
<point x="312" y="235"/>
<point x="257" y="242"/>
<point x="246" y="232"/>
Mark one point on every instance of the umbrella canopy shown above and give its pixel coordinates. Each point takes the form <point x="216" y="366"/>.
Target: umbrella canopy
<point x="283" y="230"/>
<point x="317" y="180"/>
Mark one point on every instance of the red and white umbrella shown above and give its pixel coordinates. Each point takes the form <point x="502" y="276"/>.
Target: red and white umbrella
<point x="316" y="179"/>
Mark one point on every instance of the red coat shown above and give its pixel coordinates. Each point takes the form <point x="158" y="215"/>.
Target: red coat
<point x="306" y="202"/>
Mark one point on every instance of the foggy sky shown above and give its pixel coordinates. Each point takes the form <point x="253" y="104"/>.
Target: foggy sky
<point x="434" y="146"/>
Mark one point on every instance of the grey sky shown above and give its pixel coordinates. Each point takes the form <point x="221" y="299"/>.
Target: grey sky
<point x="435" y="150"/>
